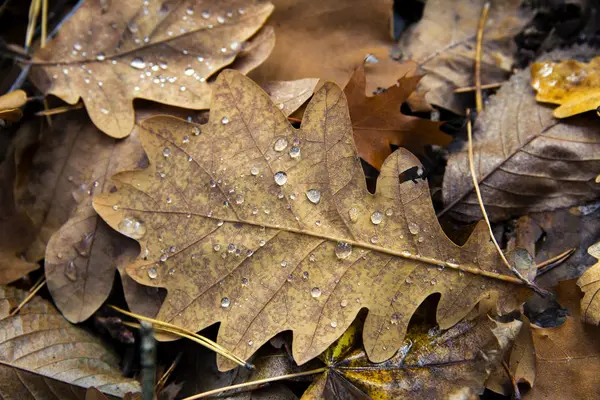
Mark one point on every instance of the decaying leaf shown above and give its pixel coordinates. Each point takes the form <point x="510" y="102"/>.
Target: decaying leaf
<point x="109" y="53"/>
<point x="39" y="347"/>
<point x="10" y="103"/>
<point x="328" y="39"/>
<point x="525" y="159"/>
<point x="81" y="256"/>
<point x="590" y="285"/>
<point x="567" y="356"/>
<point x="572" y="84"/>
<point x="266" y="228"/>
<point x="431" y="364"/>
<point x="443" y="44"/>
<point x="378" y="123"/>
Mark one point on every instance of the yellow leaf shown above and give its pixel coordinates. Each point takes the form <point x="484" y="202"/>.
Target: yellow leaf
<point x="590" y="285"/>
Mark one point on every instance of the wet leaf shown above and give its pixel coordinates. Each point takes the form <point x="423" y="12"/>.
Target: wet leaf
<point x="525" y="159"/>
<point x="443" y="44"/>
<point x="329" y="39"/>
<point x="378" y="123"/>
<point x="269" y="228"/>
<point x="38" y="347"/>
<point x="431" y="364"/>
<point x="290" y="95"/>
<point x="109" y="53"/>
<point x="10" y="104"/>
<point x="567" y="356"/>
<point x="590" y="285"/>
<point x="574" y="85"/>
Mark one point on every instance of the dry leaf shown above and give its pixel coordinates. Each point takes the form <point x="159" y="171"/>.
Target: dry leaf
<point x="590" y="285"/>
<point x="109" y="53"/>
<point x="40" y="341"/>
<point x="328" y="39"/>
<point x="431" y="364"/>
<point x="567" y="356"/>
<point x="525" y="159"/>
<point x="10" y="104"/>
<point x="266" y="228"/>
<point x="378" y="123"/>
<point x="443" y="44"/>
<point x="290" y="95"/>
<point x="82" y="256"/>
<point x="572" y="84"/>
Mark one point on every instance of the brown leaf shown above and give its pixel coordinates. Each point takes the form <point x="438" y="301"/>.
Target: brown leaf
<point x="81" y="256"/>
<point x="39" y="347"/>
<point x="290" y="95"/>
<point x="567" y="356"/>
<point x="431" y="364"/>
<point x="378" y="123"/>
<point x="590" y="285"/>
<point x="10" y="104"/>
<point x="264" y="241"/>
<point x="328" y="39"/>
<point x="525" y="159"/>
<point x="574" y="85"/>
<point x="443" y="44"/>
<point x="109" y="53"/>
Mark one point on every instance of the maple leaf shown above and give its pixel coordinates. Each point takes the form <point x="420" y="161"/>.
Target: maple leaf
<point x="574" y="85"/>
<point x="41" y="350"/>
<point x="109" y="53"/>
<point x="431" y="363"/>
<point x="526" y="160"/>
<point x="443" y="44"/>
<point x="378" y="123"/>
<point x="266" y="228"/>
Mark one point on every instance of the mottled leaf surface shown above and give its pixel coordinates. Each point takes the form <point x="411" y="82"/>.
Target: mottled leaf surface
<point x="267" y="228"/>
<point x="590" y="285"/>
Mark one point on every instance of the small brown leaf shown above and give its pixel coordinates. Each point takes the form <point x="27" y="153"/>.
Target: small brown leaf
<point x="107" y="54"/>
<point x="378" y="123"/>
<point x="10" y="104"/>
<point x="574" y="85"/>
<point x="270" y="228"/>
<point x="590" y="285"/>
<point x="38" y="347"/>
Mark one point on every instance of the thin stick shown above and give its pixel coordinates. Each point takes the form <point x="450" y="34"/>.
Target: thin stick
<point x="36" y="288"/>
<point x="512" y="381"/>
<point x="185" y="333"/>
<point x="257" y="382"/>
<point x="163" y="379"/>
<point x="482" y="19"/>
<point x="561" y="257"/>
<point x="34" y="12"/>
<point x="44" y="23"/>
<point x="59" y="110"/>
<point x="485" y="216"/>
<point x="466" y="89"/>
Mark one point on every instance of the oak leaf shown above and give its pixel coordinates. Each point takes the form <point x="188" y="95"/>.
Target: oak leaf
<point x="378" y="123"/>
<point x="525" y="159"/>
<point x="431" y="364"/>
<point x="574" y="85"/>
<point x="266" y="228"/>
<point x="443" y="44"/>
<point x="590" y="285"/>
<point x="38" y="347"/>
<point x="10" y="104"/>
<point x="109" y="53"/>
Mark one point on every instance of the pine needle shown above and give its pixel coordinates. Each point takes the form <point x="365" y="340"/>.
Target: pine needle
<point x="32" y="292"/>
<point x="482" y="20"/>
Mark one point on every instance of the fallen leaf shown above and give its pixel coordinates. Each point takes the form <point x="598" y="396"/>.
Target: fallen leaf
<point x="329" y="39"/>
<point x="94" y="394"/>
<point x="109" y="53"/>
<point x="10" y="104"/>
<point x="81" y="257"/>
<point x="378" y="123"/>
<point x="443" y="44"/>
<point x="590" y="285"/>
<point x="270" y="228"/>
<point x="290" y="95"/>
<point x="574" y="85"/>
<point x="526" y="160"/>
<point x="567" y="356"/>
<point x="38" y="347"/>
<point x="431" y="364"/>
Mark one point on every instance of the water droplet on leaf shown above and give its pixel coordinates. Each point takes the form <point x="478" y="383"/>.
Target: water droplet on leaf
<point x="313" y="195"/>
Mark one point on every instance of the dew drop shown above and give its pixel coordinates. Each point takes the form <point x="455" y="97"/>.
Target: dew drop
<point x="374" y="239"/>
<point x="77" y="46"/>
<point x="343" y="250"/>
<point x="284" y="263"/>
<point x="182" y="88"/>
<point x="312" y="258"/>
<point x="132" y="228"/>
<point x="313" y="195"/>
<point x="421" y="239"/>
<point x="220" y="20"/>
<point x="115" y="207"/>
<point x="433" y="282"/>
<point x="225" y="302"/>
<point x="239" y="199"/>
<point x="100" y="57"/>
<point x="333" y="324"/>
<point x="389" y="212"/>
<point x="353" y="214"/>
<point x="376" y="217"/>
<point x="205" y="14"/>
<point x="315" y="292"/>
<point x="295" y="152"/>
<point x="163" y="64"/>
<point x="254" y="171"/>
<point x="343" y="303"/>
<point x="280" y="178"/>
<point x="395" y="319"/>
<point x="305" y="275"/>
<point x="413" y="228"/>
<point x="280" y="144"/>
<point x="138" y="63"/>
<point x="224" y="120"/>
<point x="152" y="273"/>
<point x="408" y="280"/>
<point x="230" y="248"/>
<point x="371" y="59"/>
<point x="217" y="247"/>
<point x="189" y="11"/>
<point x="220" y="222"/>
<point x="262" y="243"/>
<point x="166" y="152"/>
<point x="250" y="342"/>
<point x="71" y="271"/>
<point x="244" y="282"/>
<point x="104" y="111"/>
